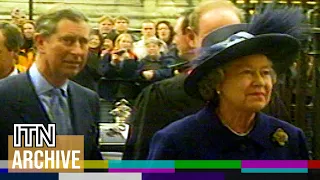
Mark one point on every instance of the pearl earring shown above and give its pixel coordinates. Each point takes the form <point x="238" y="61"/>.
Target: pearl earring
<point x="218" y="92"/>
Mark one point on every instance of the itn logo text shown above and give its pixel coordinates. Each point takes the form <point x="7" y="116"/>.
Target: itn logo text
<point x="35" y="147"/>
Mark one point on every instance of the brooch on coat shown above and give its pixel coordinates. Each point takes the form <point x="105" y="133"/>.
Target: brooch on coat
<point x="280" y="136"/>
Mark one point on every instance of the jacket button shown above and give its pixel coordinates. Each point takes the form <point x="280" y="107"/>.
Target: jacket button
<point x="243" y="147"/>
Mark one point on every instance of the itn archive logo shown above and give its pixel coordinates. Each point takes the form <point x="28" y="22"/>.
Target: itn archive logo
<point x="35" y="148"/>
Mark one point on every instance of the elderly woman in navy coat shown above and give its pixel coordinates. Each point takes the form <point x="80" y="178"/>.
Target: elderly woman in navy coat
<point x="236" y="77"/>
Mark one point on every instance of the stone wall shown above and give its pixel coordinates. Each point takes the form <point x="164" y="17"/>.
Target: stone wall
<point x="136" y="10"/>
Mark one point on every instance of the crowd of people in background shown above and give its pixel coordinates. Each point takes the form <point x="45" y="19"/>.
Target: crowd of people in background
<point x="120" y="63"/>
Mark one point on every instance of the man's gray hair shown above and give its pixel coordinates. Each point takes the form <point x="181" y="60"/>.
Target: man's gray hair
<point x="13" y="36"/>
<point x="46" y="25"/>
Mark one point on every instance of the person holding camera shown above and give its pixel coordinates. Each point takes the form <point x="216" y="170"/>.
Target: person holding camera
<point x="119" y="71"/>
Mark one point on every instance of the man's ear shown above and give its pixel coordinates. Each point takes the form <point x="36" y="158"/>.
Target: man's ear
<point x="14" y="55"/>
<point x="39" y="41"/>
<point x="192" y="37"/>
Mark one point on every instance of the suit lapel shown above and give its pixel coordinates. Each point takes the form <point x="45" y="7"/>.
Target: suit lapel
<point x="78" y="109"/>
<point x="28" y="104"/>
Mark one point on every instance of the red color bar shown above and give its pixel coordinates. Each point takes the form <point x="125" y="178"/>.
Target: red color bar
<point x="314" y="164"/>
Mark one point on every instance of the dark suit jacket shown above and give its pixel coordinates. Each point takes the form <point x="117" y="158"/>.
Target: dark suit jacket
<point x="157" y="106"/>
<point x="203" y="136"/>
<point x="19" y="103"/>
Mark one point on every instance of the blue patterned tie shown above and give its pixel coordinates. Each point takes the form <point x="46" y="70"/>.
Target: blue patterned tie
<point x="59" y="112"/>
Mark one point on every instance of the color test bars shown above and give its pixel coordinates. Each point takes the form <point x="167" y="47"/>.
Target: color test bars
<point x="246" y="166"/>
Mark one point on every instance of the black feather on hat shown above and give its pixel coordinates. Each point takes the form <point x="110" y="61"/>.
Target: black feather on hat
<point x="275" y="33"/>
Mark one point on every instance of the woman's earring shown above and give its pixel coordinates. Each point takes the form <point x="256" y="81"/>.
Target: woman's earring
<point x="218" y="92"/>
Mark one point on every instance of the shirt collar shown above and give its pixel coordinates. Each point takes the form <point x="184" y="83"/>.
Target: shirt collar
<point x="41" y="84"/>
<point x="14" y="72"/>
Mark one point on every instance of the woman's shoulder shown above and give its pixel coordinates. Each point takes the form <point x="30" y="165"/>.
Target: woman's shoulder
<point x="278" y="123"/>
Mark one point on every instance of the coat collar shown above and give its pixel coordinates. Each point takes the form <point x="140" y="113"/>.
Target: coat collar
<point x="28" y="104"/>
<point x="223" y="139"/>
<point x="79" y="110"/>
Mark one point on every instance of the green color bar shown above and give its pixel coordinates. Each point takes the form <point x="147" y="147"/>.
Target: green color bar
<point x="203" y="164"/>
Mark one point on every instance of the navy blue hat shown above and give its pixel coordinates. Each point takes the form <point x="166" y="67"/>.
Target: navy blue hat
<point x="261" y="36"/>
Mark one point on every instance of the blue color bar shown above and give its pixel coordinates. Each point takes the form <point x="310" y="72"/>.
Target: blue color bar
<point x="29" y="176"/>
<point x="126" y="164"/>
<point x="3" y="170"/>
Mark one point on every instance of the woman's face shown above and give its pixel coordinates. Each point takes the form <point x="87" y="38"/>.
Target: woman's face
<point x="247" y="83"/>
<point x="94" y="41"/>
<point x="28" y="30"/>
<point x="107" y="44"/>
<point x="125" y="43"/>
<point x="163" y="32"/>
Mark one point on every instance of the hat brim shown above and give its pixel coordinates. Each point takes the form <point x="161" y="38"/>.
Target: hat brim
<point x="281" y="49"/>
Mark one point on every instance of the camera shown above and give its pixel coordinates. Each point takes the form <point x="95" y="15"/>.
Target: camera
<point x="120" y="52"/>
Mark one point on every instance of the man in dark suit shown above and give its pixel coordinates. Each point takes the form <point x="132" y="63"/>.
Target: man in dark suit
<point x="62" y="46"/>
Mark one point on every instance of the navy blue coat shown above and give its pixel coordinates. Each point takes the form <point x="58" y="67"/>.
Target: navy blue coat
<point x="203" y="136"/>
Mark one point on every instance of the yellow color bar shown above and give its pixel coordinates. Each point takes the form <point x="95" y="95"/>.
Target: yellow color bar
<point x="95" y="164"/>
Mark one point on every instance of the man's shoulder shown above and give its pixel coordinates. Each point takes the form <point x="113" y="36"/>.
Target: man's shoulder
<point x="80" y="88"/>
<point x="13" y="82"/>
<point x="86" y="92"/>
<point x="176" y="81"/>
<point x="164" y="87"/>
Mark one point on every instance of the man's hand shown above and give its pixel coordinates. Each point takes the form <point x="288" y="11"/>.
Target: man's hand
<point x="148" y="74"/>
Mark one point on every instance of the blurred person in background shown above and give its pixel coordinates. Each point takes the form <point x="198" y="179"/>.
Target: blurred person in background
<point x="119" y="70"/>
<point x="11" y="40"/>
<point x="165" y="32"/>
<point x="89" y="75"/>
<point x="153" y="67"/>
<point x="27" y="51"/>
<point x="18" y="17"/>
<point x="106" y="25"/>
<point x="148" y="30"/>
<point x="121" y="24"/>
<point x="107" y="46"/>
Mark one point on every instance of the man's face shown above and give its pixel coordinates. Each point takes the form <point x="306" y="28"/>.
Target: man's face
<point x="64" y="53"/>
<point x="181" y="39"/>
<point x="105" y="27"/>
<point x="121" y="25"/>
<point x="148" y="30"/>
<point x="153" y="49"/>
<point x="6" y="58"/>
